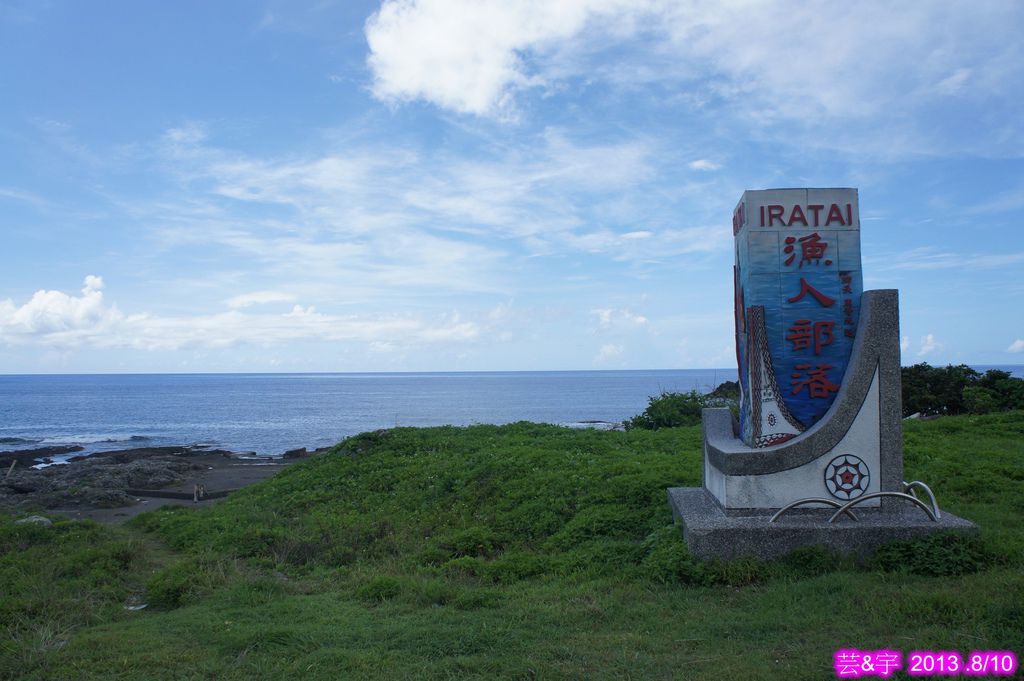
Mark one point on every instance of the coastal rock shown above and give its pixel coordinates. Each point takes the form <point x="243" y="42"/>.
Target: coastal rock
<point x="106" y="498"/>
<point x="23" y="484"/>
<point x="113" y="479"/>
<point x="98" y="480"/>
<point x="296" y="453"/>
<point x="28" y="457"/>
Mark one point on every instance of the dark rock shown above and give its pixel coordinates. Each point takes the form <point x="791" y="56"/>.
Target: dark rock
<point x="296" y="453"/>
<point x="19" y="486"/>
<point x="206" y="452"/>
<point x="107" y="479"/>
<point x="29" y="457"/>
<point x="107" y="498"/>
<point x="728" y="389"/>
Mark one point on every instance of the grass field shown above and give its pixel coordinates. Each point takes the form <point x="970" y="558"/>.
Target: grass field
<point x="521" y="551"/>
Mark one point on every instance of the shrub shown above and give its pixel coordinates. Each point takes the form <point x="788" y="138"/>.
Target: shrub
<point x="667" y="559"/>
<point x="670" y="410"/>
<point x="187" y="580"/>
<point x="382" y="588"/>
<point x="471" y="541"/>
<point x="940" y="554"/>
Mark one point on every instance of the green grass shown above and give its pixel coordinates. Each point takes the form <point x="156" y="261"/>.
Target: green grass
<point x="521" y="551"/>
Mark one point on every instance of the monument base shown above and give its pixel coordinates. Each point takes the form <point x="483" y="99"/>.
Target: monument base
<point x="713" y="533"/>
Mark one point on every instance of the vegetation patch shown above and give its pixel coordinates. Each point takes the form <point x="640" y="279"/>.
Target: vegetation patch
<point x="517" y="551"/>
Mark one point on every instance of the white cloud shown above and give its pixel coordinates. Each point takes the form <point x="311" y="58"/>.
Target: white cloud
<point x="21" y="195"/>
<point x="258" y="298"/>
<point x="467" y="55"/>
<point x="639" y="234"/>
<point x="383" y="220"/>
<point x="609" y="353"/>
<point x="850" y="58"/>
<point x="905" y="343"/>
<point x="615" y="318"/>
<point x="1016" y="346"/>
<point x="703" y="164"/>
<point x="55" y="312"/>
<point x="954" y="83"/>
<point x="929" y="345"/>
<point x="820" y="64"/>
<point x="930" y="258"/>
<point x="55" y="319"/>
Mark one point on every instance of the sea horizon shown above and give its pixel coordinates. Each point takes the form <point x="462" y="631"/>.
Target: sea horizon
<point x="1015" y="369"/>
<point x="269" y="413"/>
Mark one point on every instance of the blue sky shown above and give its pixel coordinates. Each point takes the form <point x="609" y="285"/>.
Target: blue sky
<point x="456" y="185"/>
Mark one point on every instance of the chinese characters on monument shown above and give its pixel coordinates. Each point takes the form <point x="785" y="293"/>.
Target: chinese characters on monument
<point x="798" y="284"/>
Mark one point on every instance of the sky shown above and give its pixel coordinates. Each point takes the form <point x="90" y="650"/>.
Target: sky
<point x="474" y="185"/>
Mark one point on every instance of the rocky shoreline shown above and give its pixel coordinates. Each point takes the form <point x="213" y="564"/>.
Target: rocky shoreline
<point x="117" y="484"/>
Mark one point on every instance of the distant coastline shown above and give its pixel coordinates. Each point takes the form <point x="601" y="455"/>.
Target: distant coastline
<point x="269" y="414"/>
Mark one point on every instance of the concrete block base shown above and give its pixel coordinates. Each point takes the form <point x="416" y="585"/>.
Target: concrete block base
<point x="712" y="533"/>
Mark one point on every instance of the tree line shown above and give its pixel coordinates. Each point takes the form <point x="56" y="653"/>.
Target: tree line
<point x="927" y="391"/>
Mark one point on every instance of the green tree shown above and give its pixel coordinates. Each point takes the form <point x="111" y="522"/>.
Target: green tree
<point x="978" y="400"/>
<point x="959" y="389"/>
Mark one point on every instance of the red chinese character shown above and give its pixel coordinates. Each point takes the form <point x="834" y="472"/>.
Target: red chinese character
<point x="802" y="333"/>
<point x="806" y="288"/>
<point x="817" y="381"/>
<point x="812" y="249"/>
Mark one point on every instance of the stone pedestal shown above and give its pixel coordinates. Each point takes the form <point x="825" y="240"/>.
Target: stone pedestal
<point x="712" y="533"/>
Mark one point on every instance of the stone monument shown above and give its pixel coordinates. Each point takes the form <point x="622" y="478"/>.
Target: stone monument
<point x="816" y="455"/>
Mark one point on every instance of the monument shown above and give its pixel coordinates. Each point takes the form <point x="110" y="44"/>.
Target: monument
<point x="815" y="457"/>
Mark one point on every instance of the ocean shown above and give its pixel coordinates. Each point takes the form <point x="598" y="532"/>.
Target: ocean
<point x="268" y="414"/>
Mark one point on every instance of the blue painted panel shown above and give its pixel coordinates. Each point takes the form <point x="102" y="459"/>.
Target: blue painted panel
<point x="848" y="244"/>
<point x="763" y="252"/>
<point x="809" y="282"/>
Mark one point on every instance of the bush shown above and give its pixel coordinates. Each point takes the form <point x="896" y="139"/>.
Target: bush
<point x="382" y="588"/>
<point x="187" y="581"/>
<point x="940" y="554"/>
<point x="670" y="410"/>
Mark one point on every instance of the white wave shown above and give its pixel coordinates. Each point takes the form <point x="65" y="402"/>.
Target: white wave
<point x="90" y="439"/>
